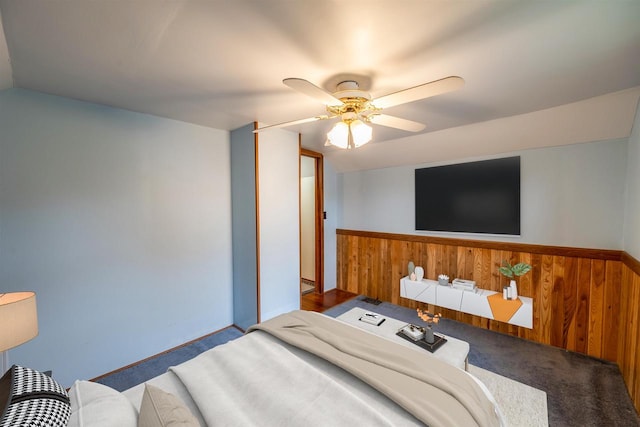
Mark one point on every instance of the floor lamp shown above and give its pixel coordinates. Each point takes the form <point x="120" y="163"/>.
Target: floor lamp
<point x="18" y="323"/>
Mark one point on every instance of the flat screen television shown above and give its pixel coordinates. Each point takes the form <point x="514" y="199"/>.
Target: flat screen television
<point x="475" y="197"/>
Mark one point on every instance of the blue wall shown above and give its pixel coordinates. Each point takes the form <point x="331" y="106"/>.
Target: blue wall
<point x="120" y="222"/>
<point x="565" y="191"/>
<point x="632" y="208"/>
<point x="245" y="231"/>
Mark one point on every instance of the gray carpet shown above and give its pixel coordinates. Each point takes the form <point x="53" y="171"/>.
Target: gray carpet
<point x="581" y="391"/>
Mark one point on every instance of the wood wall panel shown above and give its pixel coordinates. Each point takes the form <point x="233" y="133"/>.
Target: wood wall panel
<point x="582" y="308"/>
<point x="585" y="300"/>
<point x="596" y="308"/>
<point x="542" y="301"/>
<point x="611" y="315"/>
<point x="629" y="330"/>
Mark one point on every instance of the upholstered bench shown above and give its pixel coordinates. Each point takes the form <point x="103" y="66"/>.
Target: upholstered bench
<point x="455" y="352"/>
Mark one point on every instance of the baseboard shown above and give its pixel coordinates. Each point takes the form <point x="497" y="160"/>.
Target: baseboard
<point x="163" y="352"/>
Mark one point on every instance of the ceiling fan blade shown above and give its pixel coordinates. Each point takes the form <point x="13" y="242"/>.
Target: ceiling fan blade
<point x="312" y="90"/>
<point x="294" y="122"/>
<point x="396" y="122"/>
<point x="422" y="91"/>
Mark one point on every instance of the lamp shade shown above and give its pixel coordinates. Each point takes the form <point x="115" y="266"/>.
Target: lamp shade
<point x="19" y="319"/>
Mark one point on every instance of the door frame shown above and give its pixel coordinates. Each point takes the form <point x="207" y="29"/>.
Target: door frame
<point x="319" y="218"/>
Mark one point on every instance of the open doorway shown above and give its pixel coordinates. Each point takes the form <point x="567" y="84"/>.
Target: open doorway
<point x="311" y="222"/>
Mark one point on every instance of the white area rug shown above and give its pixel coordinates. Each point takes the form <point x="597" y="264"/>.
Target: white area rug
<point x="522" y="405"/>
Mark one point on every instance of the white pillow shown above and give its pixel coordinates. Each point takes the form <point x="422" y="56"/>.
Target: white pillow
<point x="97" y="405"/>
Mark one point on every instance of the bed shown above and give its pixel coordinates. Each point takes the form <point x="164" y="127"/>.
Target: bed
<point x="300" y="368"/>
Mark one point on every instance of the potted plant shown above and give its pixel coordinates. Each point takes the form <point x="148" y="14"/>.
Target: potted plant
<point x="510" y="271"/>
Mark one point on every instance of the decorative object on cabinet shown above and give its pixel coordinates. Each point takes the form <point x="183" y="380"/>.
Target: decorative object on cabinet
<point x="510" y="271"/>
<point x="411" y="268"/>
<point x="513" y="289"/>
<point x="503" y="309"/>
<point x="419" y="274"/>
<point x="465" y="285"/>
<point x="443" y="279"/>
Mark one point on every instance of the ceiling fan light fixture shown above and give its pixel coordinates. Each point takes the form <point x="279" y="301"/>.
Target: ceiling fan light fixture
<point x="351" y="134"/>
<point x="339" y="135"/>
<point x="354" y="106"/>
<point x="361" y="133"/>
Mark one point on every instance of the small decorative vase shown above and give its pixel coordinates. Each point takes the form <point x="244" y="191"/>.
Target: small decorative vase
<point x="411" y="267"/>
<point x="419" y="273"/>
<point x="514" y="289"/>
<point x="412" y="276"/>
<point x="428" y="335"/>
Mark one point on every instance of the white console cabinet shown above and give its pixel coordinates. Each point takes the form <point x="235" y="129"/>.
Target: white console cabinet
<point x="482" y="302"/>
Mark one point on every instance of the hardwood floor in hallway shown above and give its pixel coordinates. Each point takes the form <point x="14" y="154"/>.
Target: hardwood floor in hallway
<point x="323" y="302"/>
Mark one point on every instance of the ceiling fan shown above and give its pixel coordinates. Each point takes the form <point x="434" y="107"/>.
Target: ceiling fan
<point x="356" y="108"/>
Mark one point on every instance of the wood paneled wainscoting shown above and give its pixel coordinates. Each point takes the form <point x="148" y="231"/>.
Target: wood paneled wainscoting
<point x="585" y="300"/>
<point x="628" y="331"/>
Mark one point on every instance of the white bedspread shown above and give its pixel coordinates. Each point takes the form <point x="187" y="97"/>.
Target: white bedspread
<point x="256" y="381"/>
<point x="435" y="392"/>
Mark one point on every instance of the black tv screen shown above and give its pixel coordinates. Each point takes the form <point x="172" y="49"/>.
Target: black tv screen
<point x="475" y="197"/>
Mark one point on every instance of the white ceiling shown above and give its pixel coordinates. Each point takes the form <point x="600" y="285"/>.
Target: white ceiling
<point x="220" y="63"/>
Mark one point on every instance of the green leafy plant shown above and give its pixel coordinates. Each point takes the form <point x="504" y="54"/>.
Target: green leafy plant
<point x="509" y="270"/>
